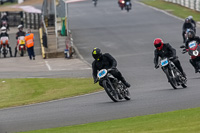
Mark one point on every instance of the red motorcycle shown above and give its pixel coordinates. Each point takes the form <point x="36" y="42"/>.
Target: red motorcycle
<point x="20" y="48"/>
<point x="121" y="4"/>
<point x="194" y="51"/>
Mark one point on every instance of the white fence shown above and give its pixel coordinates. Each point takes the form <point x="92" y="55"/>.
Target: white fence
<point x="192" y="4"/>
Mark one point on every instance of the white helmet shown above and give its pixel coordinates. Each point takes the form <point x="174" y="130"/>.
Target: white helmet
<point x="20" y="26"/>
<point x="190" y="17"/>
<point x="3" y="29"/>
<point x="4" y="14"/>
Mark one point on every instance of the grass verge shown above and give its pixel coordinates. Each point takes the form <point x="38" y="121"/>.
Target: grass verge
<point x="181" y="121"/>
<point x="15" y="92"/>
<point x="8" y="4"/>
<point x="173" y="8"/>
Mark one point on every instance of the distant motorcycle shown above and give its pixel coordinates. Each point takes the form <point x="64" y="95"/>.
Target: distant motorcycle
<point x="95" y="2"/>
<point x="128" y="6"/>
<point x="186" y="33"/>
<point x="21" y="48"/>
<point x="115" y="89"/>
<point x="193" y="50"/>
<point x="121" y="4"/>
<point x="4" y="46"/>
<point x="174" y="76"/>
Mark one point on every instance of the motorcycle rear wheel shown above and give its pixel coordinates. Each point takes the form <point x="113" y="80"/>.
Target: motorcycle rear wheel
<point x="22" y="52"/>
<point x="127" y="95"/>
<point x="112" y="93"/>
<point x="184" y="85"/>
<point x="4" y="53"/>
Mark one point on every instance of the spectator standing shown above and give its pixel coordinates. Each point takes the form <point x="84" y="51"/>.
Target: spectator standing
<point x="29" y="38"/>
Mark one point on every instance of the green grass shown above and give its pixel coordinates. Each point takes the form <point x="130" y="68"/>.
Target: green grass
<point x="174" y="9"/>
<point x="15" y="92"/>
<point x="182" y="121"/>
<point x="8" y="4"/>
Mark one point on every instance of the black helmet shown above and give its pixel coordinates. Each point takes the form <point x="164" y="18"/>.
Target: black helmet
<point x="191" y="34"/>
<point x="96" y="53"/>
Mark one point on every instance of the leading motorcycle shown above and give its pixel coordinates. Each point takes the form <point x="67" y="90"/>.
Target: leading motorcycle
<point x="115" y="89"/>
<point x="4" y="46"/>
<point x="174" y="76"/>
<point x="121" y="4"/>
<point x="194" y="51"/>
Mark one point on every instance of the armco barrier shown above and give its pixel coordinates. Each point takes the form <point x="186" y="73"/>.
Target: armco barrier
<point x="192" y="4"/>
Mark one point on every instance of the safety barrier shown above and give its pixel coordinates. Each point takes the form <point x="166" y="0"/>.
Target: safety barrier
<point x="192" y="4"/>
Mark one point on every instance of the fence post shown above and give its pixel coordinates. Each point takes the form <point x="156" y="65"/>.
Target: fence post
<point x="30" y="22"/>
<point x="21" y="18"/>
<point x="34" y="18"/>
<point x="25" y="19"/>
<point x="38" y="15"/>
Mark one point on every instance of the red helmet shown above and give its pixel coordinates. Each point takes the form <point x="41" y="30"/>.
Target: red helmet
<point x="158" y="43"/>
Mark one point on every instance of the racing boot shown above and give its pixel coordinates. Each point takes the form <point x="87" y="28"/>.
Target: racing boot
<point x="194" y="65"/>
<point x="125" y="83"/>
<point x="10" y="52"/>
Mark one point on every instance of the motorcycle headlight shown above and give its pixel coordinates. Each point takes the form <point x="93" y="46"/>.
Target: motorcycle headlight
<point x="195" y="53"/>
<point x="123" y="2"/>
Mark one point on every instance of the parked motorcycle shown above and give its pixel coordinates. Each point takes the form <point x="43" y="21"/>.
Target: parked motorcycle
<point x="4" y="23"/>
<point x="4" y="48"/>
<point x="194" y="51"/>
<point x="174" y="76"/>
<point x="21" y="48"/>
<point x="121" y="4"/>
<point x="115" y="89"/>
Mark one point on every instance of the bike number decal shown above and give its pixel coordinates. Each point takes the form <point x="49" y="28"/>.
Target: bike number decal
<point x="102" y="73"/>
<point x="4" y="38"/>
<point x="164" y="62"/>
<point x="21" y="42"/>
<point x="192" y="44"/>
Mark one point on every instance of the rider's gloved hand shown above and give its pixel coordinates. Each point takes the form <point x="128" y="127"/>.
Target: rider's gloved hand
<point x="113" y="68"/>
<point x="184" y="51"/>
<point x="96" y="80"/>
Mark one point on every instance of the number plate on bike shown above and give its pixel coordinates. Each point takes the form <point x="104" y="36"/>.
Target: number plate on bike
<point x="21" y="42"/>
<point x="102" y="73"/>
<point x="192" y="44"/>
<point x="164" y="62"/>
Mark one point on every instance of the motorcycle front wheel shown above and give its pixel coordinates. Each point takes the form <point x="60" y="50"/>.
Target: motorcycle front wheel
<point x="112" y="93"/>
<point x="171" y="80"/>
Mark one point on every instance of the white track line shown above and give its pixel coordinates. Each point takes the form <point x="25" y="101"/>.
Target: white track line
<point x="48" y="66"/>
